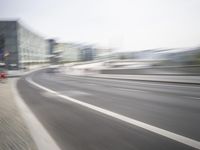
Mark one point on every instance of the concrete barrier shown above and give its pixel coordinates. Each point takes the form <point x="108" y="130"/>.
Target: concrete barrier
<point x="157" y="70"/>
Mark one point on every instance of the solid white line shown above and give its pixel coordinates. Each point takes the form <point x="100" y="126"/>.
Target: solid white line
<point x="40" y="135"/>
<point x="168" y="134"/>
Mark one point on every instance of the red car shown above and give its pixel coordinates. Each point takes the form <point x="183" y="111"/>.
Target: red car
<point x="3" y="75"/>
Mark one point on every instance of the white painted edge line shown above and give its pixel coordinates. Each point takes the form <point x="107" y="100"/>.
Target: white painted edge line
<point x="193" y="97"/>
<point x="165" y="133"/>
<point x="39" y="134"/>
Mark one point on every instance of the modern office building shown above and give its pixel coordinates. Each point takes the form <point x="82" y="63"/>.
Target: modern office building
<point x="87" y="53"/>
<point x="104" y="53"/>
<point x="52" y="44"/>
<point x="72" y="52"/>
<point x="69" y="52"/>
<point x="20" y="47"/>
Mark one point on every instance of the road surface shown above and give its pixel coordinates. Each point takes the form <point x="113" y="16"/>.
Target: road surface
<point x="172" y="107"/>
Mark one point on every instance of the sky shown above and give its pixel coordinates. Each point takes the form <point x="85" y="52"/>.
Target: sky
<point x="125" y="25"/>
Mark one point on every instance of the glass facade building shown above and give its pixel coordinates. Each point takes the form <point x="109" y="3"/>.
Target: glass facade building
<point x="23" y="47"/>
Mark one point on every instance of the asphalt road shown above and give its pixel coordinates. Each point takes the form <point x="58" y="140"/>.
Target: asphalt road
<point x="172" y="107"/>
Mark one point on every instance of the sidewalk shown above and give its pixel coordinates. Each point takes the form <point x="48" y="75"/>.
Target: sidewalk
<point x="14" y="135"/>
<point x="152" y="78"/>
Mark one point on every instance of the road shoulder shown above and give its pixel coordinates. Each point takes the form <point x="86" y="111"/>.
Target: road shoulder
<point x="39" y="134"/>
<point x="14" y="132"/>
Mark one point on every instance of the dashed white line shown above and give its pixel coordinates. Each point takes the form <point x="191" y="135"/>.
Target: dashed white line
<point x="179" y="138"/>
<point x="134" y="90"/>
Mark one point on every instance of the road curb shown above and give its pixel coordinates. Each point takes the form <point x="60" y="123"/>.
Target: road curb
<point x="39" y="134"/>
<point x="14" y="134"/>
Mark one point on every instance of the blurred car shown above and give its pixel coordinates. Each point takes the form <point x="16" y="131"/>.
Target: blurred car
<point x="3" y="73"/>
<point x="53" y="69"/>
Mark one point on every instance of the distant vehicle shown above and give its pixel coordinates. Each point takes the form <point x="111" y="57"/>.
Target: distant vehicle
<point x="53" y="69"/>
<point x="3" y="75"/>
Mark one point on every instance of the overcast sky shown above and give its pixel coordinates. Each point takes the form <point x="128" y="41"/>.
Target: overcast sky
<point x="122" y="24"/>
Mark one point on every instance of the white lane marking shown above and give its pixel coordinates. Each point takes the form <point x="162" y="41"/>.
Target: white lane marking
<point x="133" y="90"/>
<point x="39" y="134"/>
<point x="165" y="133"/>
<point x="48" y="95"/>
<point x="193" y="97"/>
<point x="74" y="93"/>
<point x="92" y="84"/>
